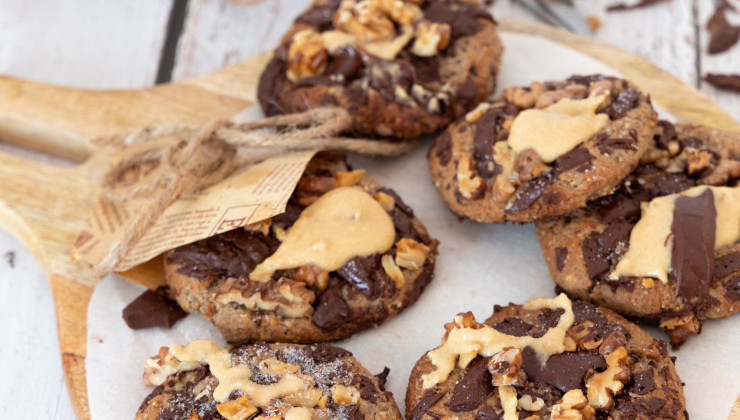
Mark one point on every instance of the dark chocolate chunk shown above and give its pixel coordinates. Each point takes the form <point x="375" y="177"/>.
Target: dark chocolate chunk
<point x="528" y="195"/>
<point x="598" y="247"/>
<point x="642" y="3"/>
<point x="608" y="144"/>
<point x="266" y="90"/>
<point x="722" y="35"/>
<point x="474" y="387"/>
<point x="564" y="371"/>
<point x="398" y="200"/>
<point x="732" y="287"/>
<point x="347" y="61"/>
<point x="326" y="353"/>
<point x="354" y="413"/>
<point x="625" y="101"/>
<point x="466" y="93"/>
<point x="332" y="311"/>
<point x="443" y="145"/>
<point x="426" y="402"/>
<point x="549" y="319"/>
<point x="462" y="21"/>
<point x="576" y="158"/>
<point x="152" y="309"/>
<point x="485" y="131"/>
<point x="665" y="135"/>
<point x="694" y="230"/>
<point x="726" y="265"/>
<point x="513" y="326"/>
<point x="383" y="377"/>
<point x="724" y="81"/>
<point x="362" y="273"/>
<point x="319" y="16"/>
<point x="561" y="254"/>
<point x="487" y="413"/>
<point x="642" y="383"/>
<point x="649" y="407"/>
<point x="368" y="391"/>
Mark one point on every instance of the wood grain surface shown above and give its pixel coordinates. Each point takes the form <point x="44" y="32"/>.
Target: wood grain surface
<point x="44" y="205"/>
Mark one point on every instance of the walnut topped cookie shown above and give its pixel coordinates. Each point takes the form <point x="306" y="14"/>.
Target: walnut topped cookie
<point x="664" y="246"/>
<point x="346" y="255"/>
<point x="402" y="68"/>
<point x="262" y="381"/>
<point x="542" y="151"/>
<point x="547" y="359"/>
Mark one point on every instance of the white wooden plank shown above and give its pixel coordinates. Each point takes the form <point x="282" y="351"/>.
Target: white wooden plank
<point x="218" y="33"/>
<point x="727" y="62"/>
<point x="33" y="382"/>
<point x="662" y="33"/>
<point x="84" y="43"/>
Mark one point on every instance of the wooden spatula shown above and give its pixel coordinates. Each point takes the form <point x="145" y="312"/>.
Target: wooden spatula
<point x="45" y="206"/>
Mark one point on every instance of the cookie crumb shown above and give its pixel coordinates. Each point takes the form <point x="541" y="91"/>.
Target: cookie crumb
<point x="10" y="258"/>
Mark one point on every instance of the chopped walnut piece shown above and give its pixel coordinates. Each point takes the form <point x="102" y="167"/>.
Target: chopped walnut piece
<point x="311" y="187"/>
<point x="506" y="368"/>
<point x="530" y="165"/>
<point x="614" y="340"/>
<point x="431" y="37"/>
<point x="313" y="276"/>
<point x="680" y="327"/>
<point x="520" y="97"/>
<point x="348" y="179"/>
<point x="462" y="320"/>
<point x="262" y="227"/>
<point x="363" y="19"/>
<point x="306" y="56"/>
<point x="526" y="402"/>
<point x="548" y="98"/>
<point x="410" y="254"/>
<point x="470" y="185"/>
<point x="392" y="270"/>
<point x="238" y="409"/>
<point x="725" y="170"/>
<point x="401" y="11"/>
<point x="477" y="112"/>
<point x="573" y="406"/>
<point x="386" y="201"/>
<point x="600" y="387"/>
<point x="585" y="335"/>
<point x="697" y="159"/>
<point x="502" y="189"/>
<point x="345" y="395"/>
<point x="601" y="86"/>
<point x="310" y="397"/>
<point x="274" y="366"/>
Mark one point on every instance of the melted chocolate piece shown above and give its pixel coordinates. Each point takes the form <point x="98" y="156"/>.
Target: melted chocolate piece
<point x="732" y="287"/>
<point x="383" y="377"/>
<point x="560" y="255"/>
<point x="598" y="248"/>
<point x="347" y="62"/>
<point x="152" y="309"/>
<point x="326" y="353"/>
<point x="650" y="407"/>
<point x="625" y="101"/>
<point x="584" y="311"/>
<point x="487" y="413"/>
<point x="694" y="230"/>
<point x="354" y="413"/>
<point x="398" y="200"/>
<point x="443" y="146"/>
<point x="332" y="311"/>
<point x="528" y="195"/>
<point x="231" y="254"/>
<point x="287" y="218"/>
<point x="319" y="16"/>
<point x="724" y="81"/>
<point x="463" y="21"/>
<point x="576" y="158"/>
<point x="368" y="391"/>
<point x="385" y="75"/>
<point x="639" y="4"/>
<point x="513" y="326"/>
<point x="474" y="387"/>
<point x="726" y="265"/>
<point x="266" y="89"/>
<point x="642" y="383"/>
<point x="564" y="371"/>
<point x="665" y="135"/>
<point x="363" y="273"/>
<point x="466" y="93"/>
<point x="428" y="400"/>
<point x="485" y="129"/>
<point x="722" y="35"/>
<point x="549" y="319"/>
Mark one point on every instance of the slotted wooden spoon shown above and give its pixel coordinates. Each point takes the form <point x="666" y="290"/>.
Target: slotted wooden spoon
<point x="45" y="206"/>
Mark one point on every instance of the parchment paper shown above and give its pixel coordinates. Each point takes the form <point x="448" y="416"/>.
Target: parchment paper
<point x="478" y="266"/>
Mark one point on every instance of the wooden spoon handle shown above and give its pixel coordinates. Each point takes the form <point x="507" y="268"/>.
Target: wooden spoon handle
<point x="62" y="121"/>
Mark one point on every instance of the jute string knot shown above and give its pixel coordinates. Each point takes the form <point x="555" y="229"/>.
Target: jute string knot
<point x="172" y="159"/>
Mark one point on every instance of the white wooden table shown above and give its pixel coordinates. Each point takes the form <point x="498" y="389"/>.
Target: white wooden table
<point x="137" y="43"/>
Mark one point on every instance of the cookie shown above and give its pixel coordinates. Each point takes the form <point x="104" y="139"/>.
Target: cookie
<point x="542" y="151"/>
<point x="346" y="255"/>
<point x="674" y="262"/>
<point x="401" y="68"/>
<point x="546" y="359"/>
<point x="261" y="381"/>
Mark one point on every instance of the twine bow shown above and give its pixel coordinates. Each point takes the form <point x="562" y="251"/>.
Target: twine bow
<point x="193" y="157"/>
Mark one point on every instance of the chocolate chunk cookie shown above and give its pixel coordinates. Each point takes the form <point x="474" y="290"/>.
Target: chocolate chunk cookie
<point x="346" y="255"/>
<point x="546" y="359"/>
<point x="261" y="381"/>
<point x="401" y="68"/>
<point x="543" y="150"/>
<point x="664" y="247"/>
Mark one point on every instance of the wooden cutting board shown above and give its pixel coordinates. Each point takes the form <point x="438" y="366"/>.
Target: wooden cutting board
<point x="45" y="206"/>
